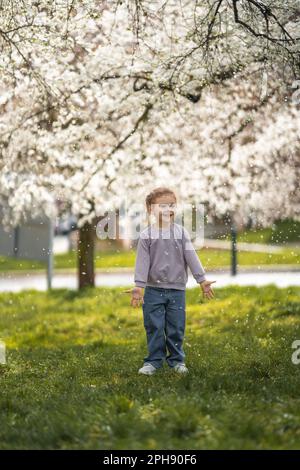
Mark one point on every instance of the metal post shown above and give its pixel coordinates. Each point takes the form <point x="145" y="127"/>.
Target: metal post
<point x="233" y="249"/>
<point x="16" y="241"/>
<point x="50" y="255"/>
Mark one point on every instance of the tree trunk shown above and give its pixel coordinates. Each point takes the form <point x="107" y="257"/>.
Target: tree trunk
<point x="86" y="244"/>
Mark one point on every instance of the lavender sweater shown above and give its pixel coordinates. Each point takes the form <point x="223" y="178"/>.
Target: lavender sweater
<point x="163" y="256"/>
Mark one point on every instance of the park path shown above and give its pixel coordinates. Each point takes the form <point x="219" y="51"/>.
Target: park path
<point x="15" y="282"/>
<point x="242" y="246"/>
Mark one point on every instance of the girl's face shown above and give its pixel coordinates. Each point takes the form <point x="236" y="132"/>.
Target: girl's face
<point x="163" y="209"/>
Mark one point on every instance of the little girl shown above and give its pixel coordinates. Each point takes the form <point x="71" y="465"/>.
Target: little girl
<point x="164" y="251"/>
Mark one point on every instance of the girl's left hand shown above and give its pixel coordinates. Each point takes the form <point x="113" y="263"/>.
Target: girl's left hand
<point x="206" y="289"/>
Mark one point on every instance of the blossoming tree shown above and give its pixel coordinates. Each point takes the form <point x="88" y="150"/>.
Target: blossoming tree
<point x="101" y="100"/>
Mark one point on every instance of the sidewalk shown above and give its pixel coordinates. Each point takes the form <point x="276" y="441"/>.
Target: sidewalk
<point x="241" y="246"/>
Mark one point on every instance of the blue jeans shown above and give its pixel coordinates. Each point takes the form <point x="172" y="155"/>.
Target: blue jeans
<point x="164" y="322"/>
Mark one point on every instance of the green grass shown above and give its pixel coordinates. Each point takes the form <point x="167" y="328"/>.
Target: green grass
<point x="210" y="258"/>
<point x="13" y="264"/>
<point x="71" y="379"/>
<point x="283" y="231"/>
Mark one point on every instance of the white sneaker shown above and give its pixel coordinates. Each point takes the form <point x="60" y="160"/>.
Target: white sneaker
<point x="181" y="368"/>
<point x="147" y="369"/>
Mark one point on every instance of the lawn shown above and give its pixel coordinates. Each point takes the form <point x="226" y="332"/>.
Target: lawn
<point x="283" y="231"/>
<point x="71" y="379"/>
<point x="210" y="259"/>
